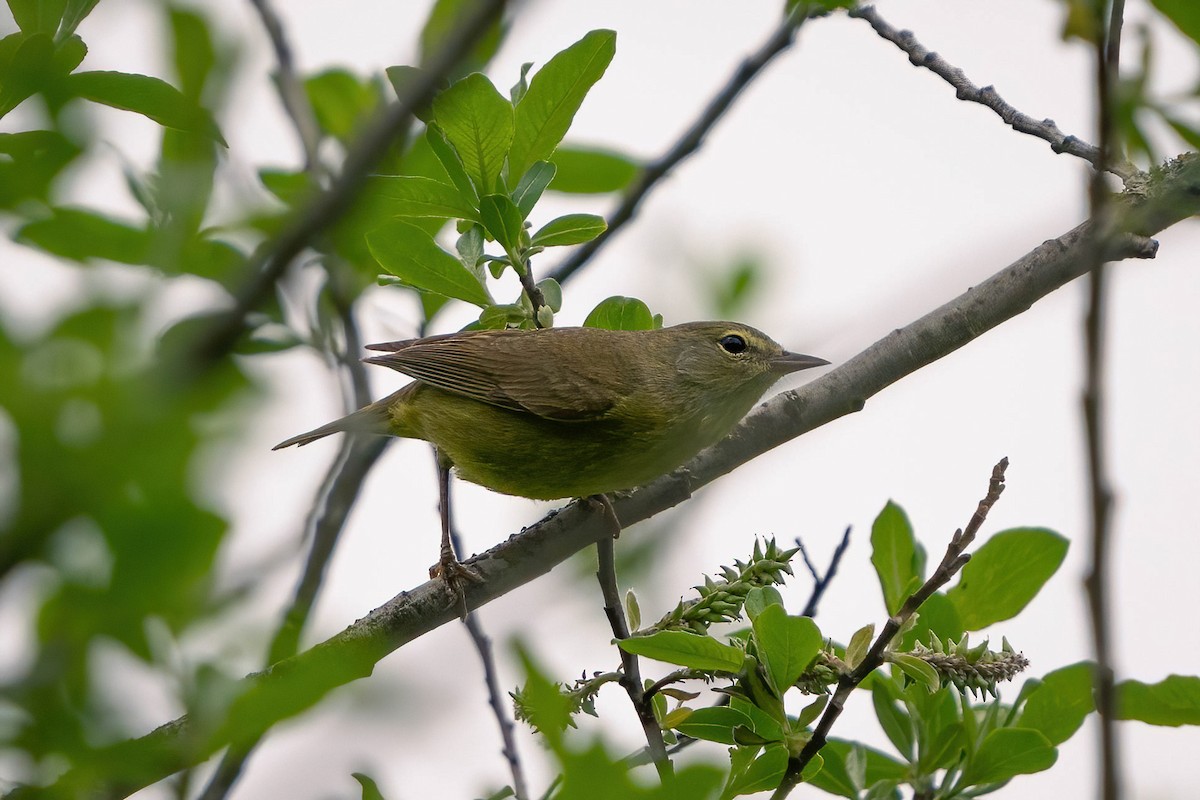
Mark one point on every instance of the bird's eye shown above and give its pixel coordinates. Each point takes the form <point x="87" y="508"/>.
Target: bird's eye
<point x="733" y="344"/>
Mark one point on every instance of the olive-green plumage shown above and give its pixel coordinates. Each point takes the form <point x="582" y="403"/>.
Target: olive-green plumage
<point x="572" y="412"/>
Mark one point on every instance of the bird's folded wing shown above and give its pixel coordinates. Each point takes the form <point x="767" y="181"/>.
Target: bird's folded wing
<point x="506" y="369"/>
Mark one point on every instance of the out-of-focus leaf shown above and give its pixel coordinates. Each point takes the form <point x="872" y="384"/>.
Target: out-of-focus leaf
<point x="412" y="255"/>
<point x="1008" y="752"/>
<point x="836" y="779"/>
<point x="1173" y="701"/>
<point x="76" y="11"/>
<point x="442" y="19"/>
<point x="1184" y="13"/>
<point x="341" y="102"/>
<point x="1060" y="703"/>
<point x="82" y="235"/>
<point x="29" y="161"/>
<point x="555" y="94"/>
<point x="37" y="16"/>
<point x="620" y="314"/>
<point x="195" y="55"/>
<point x="142" y="94"/>
<point x="586" y="170"/>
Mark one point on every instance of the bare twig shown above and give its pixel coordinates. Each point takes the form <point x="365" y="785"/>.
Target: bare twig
<point x="1107" y="55"/>
<point x="297" y="683"/>
<point x="328" y="206"/>
<point x="953" y="560"/>
<point x="821" y="582"/>
<point x="631" y="679"/>
<point x="497" y="699"/>
<point x="987" y="96"/>
<point x="291" y="92"/>
<point x="779" y="40"/>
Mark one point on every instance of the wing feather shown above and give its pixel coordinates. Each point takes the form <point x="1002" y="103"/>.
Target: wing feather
<point x="568" y="374"/>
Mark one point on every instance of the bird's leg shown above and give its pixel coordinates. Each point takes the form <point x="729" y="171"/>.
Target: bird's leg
<point x="449" y="568"/>
<point x="601" y="503"/>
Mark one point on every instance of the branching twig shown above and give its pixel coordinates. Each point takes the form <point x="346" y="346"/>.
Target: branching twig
<point x="298" y="683"/>
<point x="779" y="40"/>
<point x="954" y="559"/>
<point x="987" y="96"/>
<point x="631" y="678"/>
<point x="821" y="582"/>
<point x="1107" y="56"/>
<point x="328" y="206"/>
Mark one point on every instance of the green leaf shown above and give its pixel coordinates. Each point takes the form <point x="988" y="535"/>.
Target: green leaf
<point x="764" y="773"/>
<point x="412" y="255"/>
<point x="532" y="184"/>
<point x="894" y="555"/>
<point x="557" y="90"/>
<point x="1007" y="752"/>
<point x="503" y="221"/>
<point x="686" y="650"/>
<point x="478" y="122"/>
<point x="1173" y="701"/>
<point x="409" y="196"/>
<point x="37" y="16"/>
<point x="551" y="293"/>
<point x="370" y="789"/>
<point x="585" y="170"/>
<point x="569" y="229"/>
<point x="1060" y="703"/>
<point x="714" y="724"/>
<point x="443" y="19"/>
<point x="82" y="235"/>
<point x="786" y="645"/>
<point x="1005" y="574"/>
<point x="452" y="164"/>
<point x="193" y="48"/>
<point x="1184" y="13"/>
<point x="917" y="670"/>
<point x="860" y="644"/>
<point x="150" y="97"/>
<point x="620" y="314"/>
<point x="893" y="718"/>
<point x="835" y="778"/>
<point x="74" y="14"/>
<point x="340" y="102"/>
<point x="26" y="65"/>
<point x="759" y="599"/>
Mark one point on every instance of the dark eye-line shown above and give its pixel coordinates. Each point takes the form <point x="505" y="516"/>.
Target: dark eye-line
<point x="733" y="344"/>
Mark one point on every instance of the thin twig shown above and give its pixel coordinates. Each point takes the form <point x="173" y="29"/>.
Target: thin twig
<point x="1107" y="55"/>
<point x="631" y="678"/>
<point x="987" y="96"/>
<point x="779" y="40"/>
<point x="496" y="696"/>
<point x="954" y="559"/>
<point x="291" y="91"/>
<point x="821" y="582"/>
<point x="326" y="207"/>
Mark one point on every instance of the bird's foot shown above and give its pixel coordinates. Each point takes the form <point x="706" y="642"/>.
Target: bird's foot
<point x="601" y="504"/>
<point x="456" y="575"/>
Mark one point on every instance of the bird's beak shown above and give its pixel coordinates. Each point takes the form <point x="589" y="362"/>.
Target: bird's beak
<point x="794" y="362"/>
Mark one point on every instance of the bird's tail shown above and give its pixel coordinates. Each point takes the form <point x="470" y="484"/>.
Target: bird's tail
<point x="368" y="419"/>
